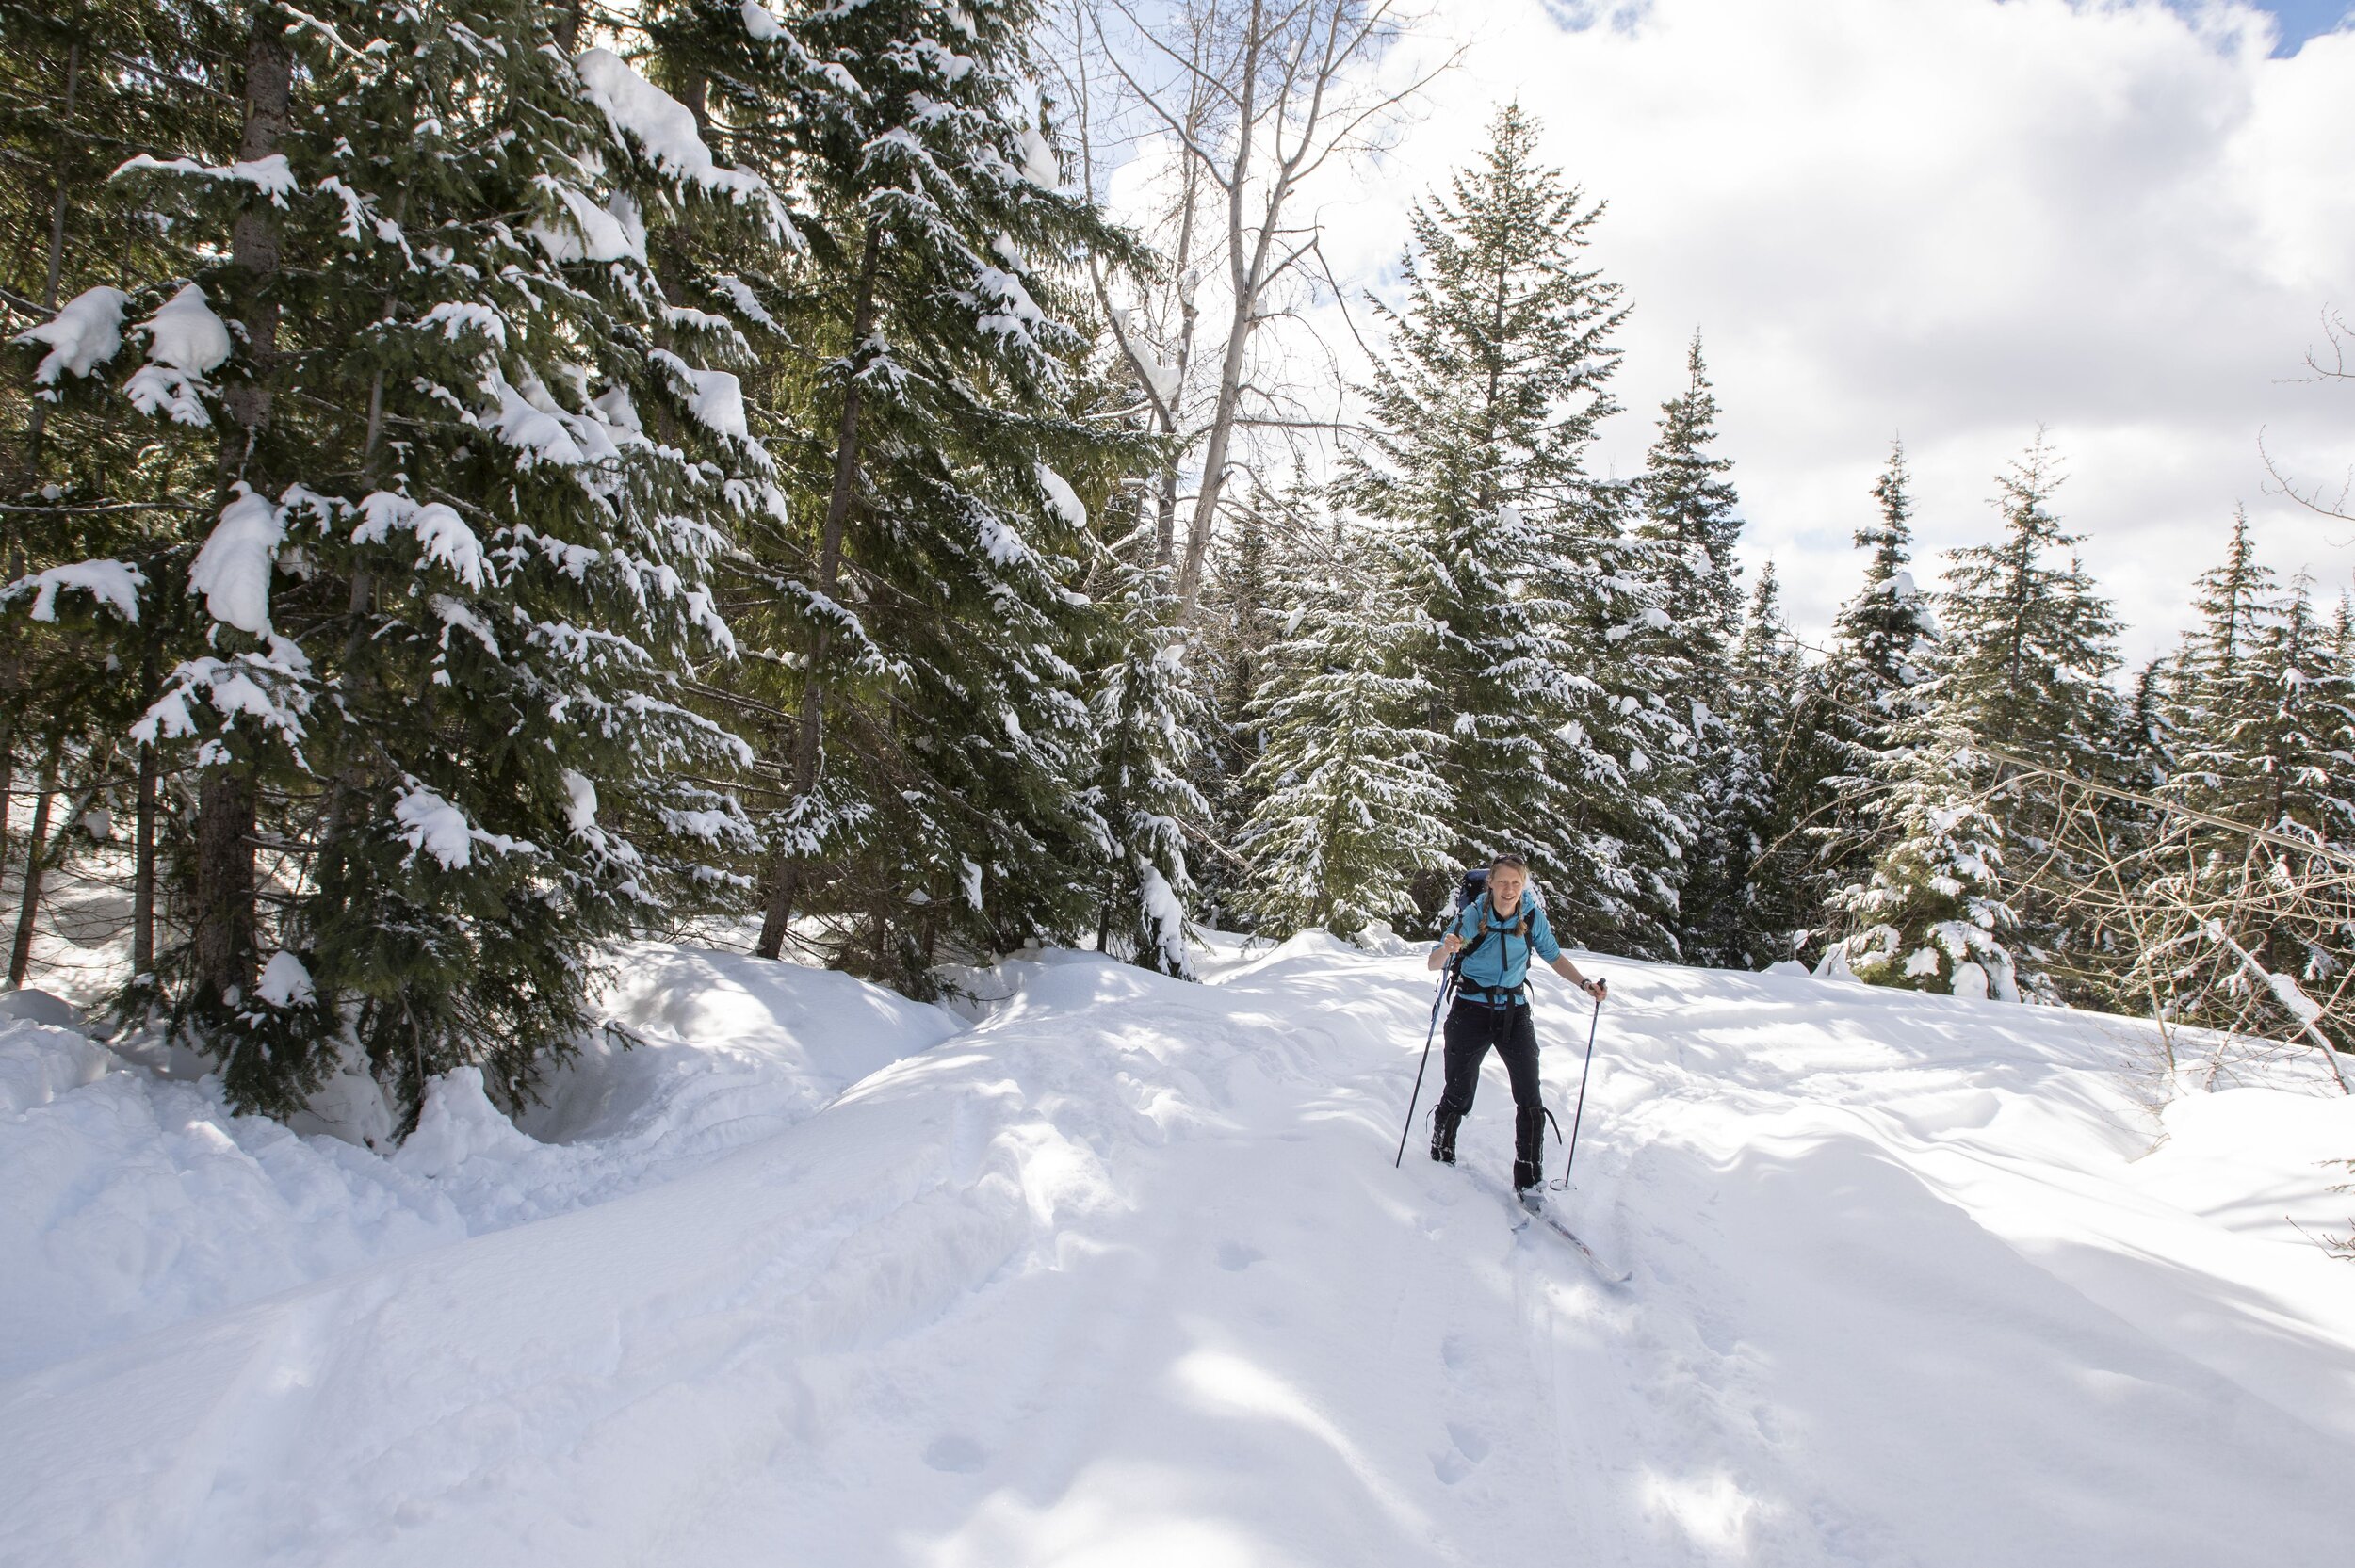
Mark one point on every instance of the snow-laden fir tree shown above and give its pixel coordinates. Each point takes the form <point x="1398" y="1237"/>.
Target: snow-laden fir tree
<point x="1496" y="374"/>
<point x="79" y="85"/>
<point x="2217" y="698"/>
<point x="1883" y="640"/>
<point x="1241" y="620"/>
<point x="922" y="619"/>
<point x="1691" y="517"/>
<point x="2025" y="645"/>
<point x="1772" y="895"/>
<point x="456" y="564"/>
<point x="1934" y="916"/>
<point x="1147" y="715"/>
<point x="1351" y="803"/>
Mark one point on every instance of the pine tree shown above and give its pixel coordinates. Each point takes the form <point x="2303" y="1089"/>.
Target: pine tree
<point x="1690" y="507"/>
<point x="1772" y="895"/>
<point x="2220" y="699"/>
<point x="1883" y="637"/>
<point x="923" y="611"/>
<point x="1351" y="803"/>
<point x="2026" y="644"/>
<point x="1690" y="515"/>
<point x="450" y="585"/>
<point x="1884" y="640"/>
<point x="1496" y="377"/>
<point x="1148" y="716"/>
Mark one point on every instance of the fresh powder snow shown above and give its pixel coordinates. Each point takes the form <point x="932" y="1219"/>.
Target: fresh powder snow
<point x="1116" y="1270"/>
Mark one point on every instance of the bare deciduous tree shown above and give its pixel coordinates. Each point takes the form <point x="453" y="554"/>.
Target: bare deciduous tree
<point x="1245" y="103"/>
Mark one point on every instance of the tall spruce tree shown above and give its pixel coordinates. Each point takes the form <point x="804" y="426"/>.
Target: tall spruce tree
<point x="1496" y="375"/>
<point x="1690" y="515"/>
<point x="1351" y="803"/>
<point x="1884" y="639"/>
<point x="2025" y="647"/>
<point x="1773" y="895"/>
<point x="931" y="764"/>
<point x="449" y="579"/>
<point x="1148" y="718"/>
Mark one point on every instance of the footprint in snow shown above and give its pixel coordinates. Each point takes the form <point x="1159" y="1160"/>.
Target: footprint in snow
<point x="956" y="1454"/>
<point x="1235" y="1257"/>
<point x="1467" y="1447"/>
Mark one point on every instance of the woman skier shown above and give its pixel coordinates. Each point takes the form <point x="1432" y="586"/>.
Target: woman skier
<point x="1495" y="934"/>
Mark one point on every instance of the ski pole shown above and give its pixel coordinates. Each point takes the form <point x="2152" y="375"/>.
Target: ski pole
<point x="1447" y="983"/>
<point x="1584" y="1073"/>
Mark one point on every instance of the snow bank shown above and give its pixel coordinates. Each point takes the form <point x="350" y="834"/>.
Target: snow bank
<point x="1125" y="1274"/>
<point x="136" y="1202"/>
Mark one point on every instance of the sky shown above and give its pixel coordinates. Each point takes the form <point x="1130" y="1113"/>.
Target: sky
<point x="1953" y="221"/>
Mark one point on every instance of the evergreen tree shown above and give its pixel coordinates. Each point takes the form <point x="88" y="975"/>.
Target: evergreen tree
<point x="1770" y="894"/>
<point x="2027" y="643"/>
<point x="1690" y="507"/>
<point x="1351" y="803"/>
<point x="922" y="615"/>
<point x="1148" y="716"/>
<point x="449" y="583"/>
<point x="1690" y="515"/>
<point x="2220" y="700"/>
<point x="1883" y="643"/>
<point x="1883" y="639"/>
<point x="1497" y="374"/>
<point x="1242" y="616"/>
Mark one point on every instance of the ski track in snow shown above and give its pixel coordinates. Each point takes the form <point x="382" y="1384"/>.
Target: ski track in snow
<point x="1123" y="1275"/>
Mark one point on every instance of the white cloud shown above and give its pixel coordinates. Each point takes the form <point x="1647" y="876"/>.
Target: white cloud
<point x="1957" y="219"/>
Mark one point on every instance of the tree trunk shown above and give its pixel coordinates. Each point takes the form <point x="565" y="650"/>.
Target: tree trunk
<point x="8" y="780"/>
<point x="38" y="420"/>
<point x="222" y="931"/>
<point x="785" y="871"/>
<point x="143" y="869"/>
<point x="35" y="846"/>
<point x="223" y="927"/>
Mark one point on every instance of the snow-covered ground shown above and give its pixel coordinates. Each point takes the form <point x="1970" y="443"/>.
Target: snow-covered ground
<point x="1122" y="1274"/>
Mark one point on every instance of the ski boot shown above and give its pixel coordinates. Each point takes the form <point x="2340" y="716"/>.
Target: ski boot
<point x="1444" y="1124"/>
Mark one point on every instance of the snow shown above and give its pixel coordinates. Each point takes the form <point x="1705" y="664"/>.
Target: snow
<point x="272" y="176"/>
<point x="760" y="22"/>
<point x="2292" y="999"/>
<point x="718" y="402"/>
<point x="1122" y="1273"/>
<point x="433" y="826"/>
<point x="233" y="570"/>
<point x="581" y="810"/>
<point x="285" y="983"/>
<point x="663" y="128"/>
<point x="186" y="341"/>
<point x="114" y="584"/>
<point x="1062" y="497"/>
<point x="83" y="335"/>
<point x="608" y="233"/>
<point x="1039" y="164"/>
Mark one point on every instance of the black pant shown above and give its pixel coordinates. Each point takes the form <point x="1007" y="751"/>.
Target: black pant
<point x="1471" y="1029"/>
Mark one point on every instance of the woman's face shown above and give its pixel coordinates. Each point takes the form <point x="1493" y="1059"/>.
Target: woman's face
<point x="1504" y="885"/>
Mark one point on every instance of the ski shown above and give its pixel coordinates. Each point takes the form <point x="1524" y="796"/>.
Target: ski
<point x="1528" y="1206"/>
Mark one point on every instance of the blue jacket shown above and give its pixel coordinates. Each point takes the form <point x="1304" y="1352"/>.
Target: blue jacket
<point x="1501" y="962"/>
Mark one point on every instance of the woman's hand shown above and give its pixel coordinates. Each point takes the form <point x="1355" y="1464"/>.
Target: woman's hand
<point x="1452" y="945"/>
<point x="1598" y="989"/>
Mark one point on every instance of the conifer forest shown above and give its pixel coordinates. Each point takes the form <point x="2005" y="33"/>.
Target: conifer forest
<point x="484" y="479"/>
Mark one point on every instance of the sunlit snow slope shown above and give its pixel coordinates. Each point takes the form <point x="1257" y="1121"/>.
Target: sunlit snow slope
<point x="1122" y="1276"/>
